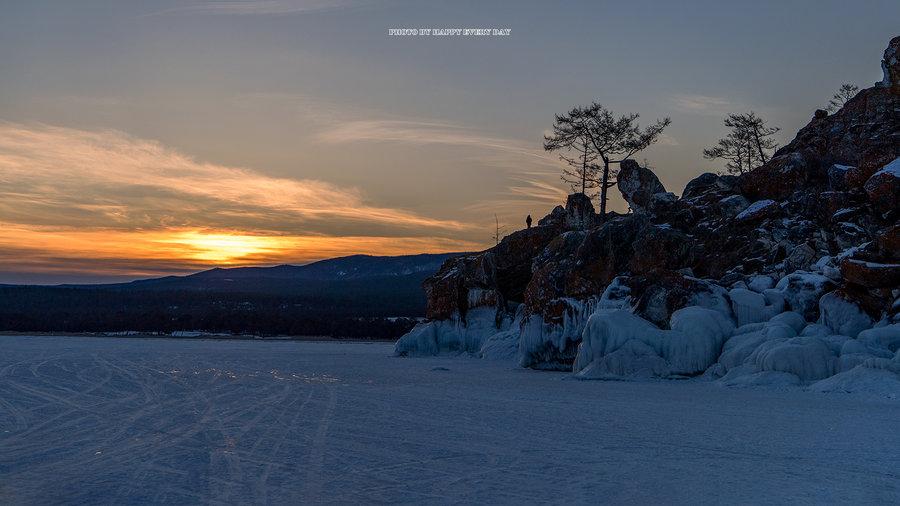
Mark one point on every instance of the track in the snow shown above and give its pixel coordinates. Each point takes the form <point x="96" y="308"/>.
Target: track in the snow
<point x="123" y="421"/>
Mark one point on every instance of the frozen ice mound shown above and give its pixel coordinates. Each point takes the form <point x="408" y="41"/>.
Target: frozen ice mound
<point x="842" y="316"/>
<point x="455" y="335"/>
<point x="617" y="343"/>
<point x="752" y="307"/>
<point x="553" y="346"/>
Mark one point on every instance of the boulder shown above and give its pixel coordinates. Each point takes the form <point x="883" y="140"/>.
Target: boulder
<point x="580" y="213"/>
<point x="837" y="177"/>
<point x="655" y="296"/>
<point x="638" y="185"/>
<point x="556" y="218"/>
<point x="758" y="211"/>
<point x="701" y="184"/>
<point x="870" y="274"/>
<point x="883" y="188"/>
<point x="802" y="291"/>
<point x="800" y="258"/>
<point x="888" y="243"/>
<point x="733" y="205"/>
<point x="848" y="312"/>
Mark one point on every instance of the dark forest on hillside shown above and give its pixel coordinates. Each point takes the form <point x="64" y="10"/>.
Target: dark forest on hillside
<point x="374" y="308"/>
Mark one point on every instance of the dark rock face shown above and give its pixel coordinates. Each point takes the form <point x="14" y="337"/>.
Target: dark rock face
<point x="506" y="269"/>
<point x="700" y="185"/>
<point x="659" y="247"/>
<point x="821" y="216"/>
<point x="781" y="176"/>
<point x="657" y="294"/>
<point x="638" y="185"/>
<point x="870" y="274"/>
<point x="580" y="213"/>
<point x="883" y="188"/>
<point x="888" y="243"/>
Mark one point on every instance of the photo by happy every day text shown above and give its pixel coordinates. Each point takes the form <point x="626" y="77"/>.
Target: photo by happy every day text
<point x="449" y="32"/>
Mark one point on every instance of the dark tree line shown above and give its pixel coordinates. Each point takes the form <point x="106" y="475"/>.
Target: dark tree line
<point x="53" y="309"/>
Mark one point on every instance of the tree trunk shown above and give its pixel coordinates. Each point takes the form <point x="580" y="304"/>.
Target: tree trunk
<point x="584" y="170"/>
<point x="762" y="156"/>
<point x="603" y="187"/>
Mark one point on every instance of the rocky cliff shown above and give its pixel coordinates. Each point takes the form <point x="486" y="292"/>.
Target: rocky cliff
<point x="755" y="274"/>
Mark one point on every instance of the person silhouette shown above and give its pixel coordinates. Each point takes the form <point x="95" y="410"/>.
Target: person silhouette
<point x="528" y="221"/>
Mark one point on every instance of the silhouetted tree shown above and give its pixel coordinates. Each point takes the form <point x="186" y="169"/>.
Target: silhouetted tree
<point x="840" y="98"/>
<point x="498" y="230"/>
<point x="747" y="145"/>
<point x="601" y="136"/>
<point x="582" y="173"/>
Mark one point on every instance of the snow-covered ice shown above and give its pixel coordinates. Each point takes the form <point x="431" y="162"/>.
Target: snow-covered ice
<point x="124" y="421"/>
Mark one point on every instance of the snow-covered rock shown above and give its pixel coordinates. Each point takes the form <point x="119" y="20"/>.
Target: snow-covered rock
<point x="690" y="347"/>
<point x="733" y="205"/>
<point x="885" y="337"/>
<point x="808" y="358"/>
<point x="616" y="296"/>
<point x="802" y="291"/>
<point x="883" y="188"/>
<point x="760" y="283"/>
<point x="752" y="307"/>
<point x="746" y="339"/>
<point x="815" y="330"/>
<point x="634" y="359"/>
<point x="501" y="346"/>
<point x="842" y="316"/>
<point x="758" y="210"/>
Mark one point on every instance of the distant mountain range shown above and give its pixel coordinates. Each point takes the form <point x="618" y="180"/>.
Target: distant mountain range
<point x="354" y="296"/>
<point x="281" y="278"/>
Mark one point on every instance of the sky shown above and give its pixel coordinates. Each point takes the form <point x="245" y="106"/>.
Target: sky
<point x="140" y="139"/>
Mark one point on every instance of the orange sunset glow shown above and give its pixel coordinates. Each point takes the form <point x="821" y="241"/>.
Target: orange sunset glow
<point x="105" y="203"/>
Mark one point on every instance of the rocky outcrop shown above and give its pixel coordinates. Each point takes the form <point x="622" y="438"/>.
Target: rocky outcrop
<point x="638" y="185"/>
<point x="766" y="275"/>
<point x="891" y="66"/>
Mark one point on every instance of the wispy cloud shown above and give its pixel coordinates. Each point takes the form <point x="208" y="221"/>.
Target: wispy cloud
<point x="261" y="7"/>
<point x="73" y="193"/>
<point x="145" y="253"/>
<point x="423" y="132"/>
<point x="66" y="176"/>
<point x="702" y="104"/>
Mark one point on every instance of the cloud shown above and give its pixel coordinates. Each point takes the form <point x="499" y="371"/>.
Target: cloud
<point x="422" y="132"/>
<point x="145" y="253"/>
<point x="702" y="104"/>
<point x="260" y="7"/>
<point x="106" y="198"/>
<point x="68" y="177"/>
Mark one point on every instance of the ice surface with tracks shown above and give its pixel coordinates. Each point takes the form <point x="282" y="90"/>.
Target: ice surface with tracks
<point x="121" y="421"/>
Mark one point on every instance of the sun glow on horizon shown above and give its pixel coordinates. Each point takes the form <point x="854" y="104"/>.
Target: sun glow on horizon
<point x="227" y="248"/>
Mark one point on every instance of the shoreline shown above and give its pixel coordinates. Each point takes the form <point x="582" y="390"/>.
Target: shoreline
<point x="201" y="336"/>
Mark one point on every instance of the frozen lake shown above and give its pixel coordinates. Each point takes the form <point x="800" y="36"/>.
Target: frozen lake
<point x="118" y="421"/>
